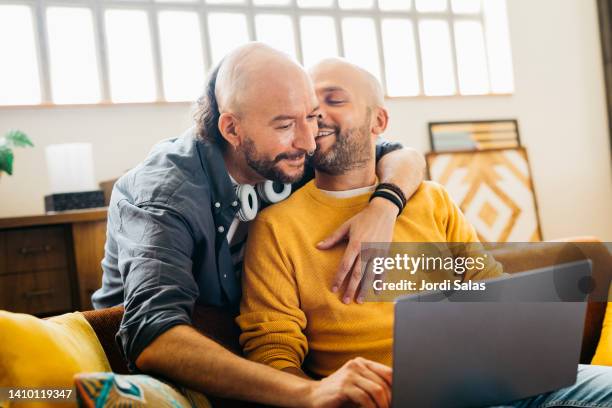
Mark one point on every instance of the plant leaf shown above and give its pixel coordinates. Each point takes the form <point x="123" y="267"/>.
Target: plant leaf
<point x="6" y="160"/>
<point x="17" y="138"/>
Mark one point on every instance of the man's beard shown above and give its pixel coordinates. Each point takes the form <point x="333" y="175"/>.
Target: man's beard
<point x="268" y="168"/>
<point x="351" y="150"/>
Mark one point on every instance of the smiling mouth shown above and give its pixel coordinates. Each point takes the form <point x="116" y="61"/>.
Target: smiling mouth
<point x="325" y="132"/>
<point x="297" y="160"/>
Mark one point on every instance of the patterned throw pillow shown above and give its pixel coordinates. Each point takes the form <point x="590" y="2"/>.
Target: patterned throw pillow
<point x="95" y="390"/>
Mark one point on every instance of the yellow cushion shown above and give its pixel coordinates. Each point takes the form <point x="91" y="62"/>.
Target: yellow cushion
<point x="47" y="353"/>
<point x="603" y="354"/>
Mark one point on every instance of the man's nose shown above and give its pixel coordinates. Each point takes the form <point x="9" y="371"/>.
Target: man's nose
<point x="321" y="117"/>
<point x="305" y="136"/>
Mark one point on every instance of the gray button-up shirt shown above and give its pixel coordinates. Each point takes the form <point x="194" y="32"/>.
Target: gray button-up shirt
<point x="166" y="245"/>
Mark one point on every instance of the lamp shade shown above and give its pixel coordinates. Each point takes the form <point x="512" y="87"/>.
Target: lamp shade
<point x="70" y="167"/>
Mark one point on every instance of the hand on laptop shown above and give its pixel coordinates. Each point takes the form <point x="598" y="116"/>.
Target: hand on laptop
<point x="359" y="382"/>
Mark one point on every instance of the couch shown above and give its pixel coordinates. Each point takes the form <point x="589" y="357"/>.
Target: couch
<point x="220" y="326"/>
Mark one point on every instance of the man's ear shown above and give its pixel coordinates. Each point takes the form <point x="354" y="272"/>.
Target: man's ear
<point x="228" y="124"/>
<point x="381" y="120"/>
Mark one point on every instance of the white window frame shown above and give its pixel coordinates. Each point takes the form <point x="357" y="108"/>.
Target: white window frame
<point x="292" y="10"/>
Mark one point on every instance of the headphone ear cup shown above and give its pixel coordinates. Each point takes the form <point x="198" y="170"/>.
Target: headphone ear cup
<point x="272" y="192"/>
<point x="249" y="203"/>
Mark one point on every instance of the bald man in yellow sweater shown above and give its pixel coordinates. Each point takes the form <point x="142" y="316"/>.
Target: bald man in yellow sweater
<point x="289" y="317"/>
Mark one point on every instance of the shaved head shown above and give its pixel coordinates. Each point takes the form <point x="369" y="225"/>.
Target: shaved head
<point x="342" y="73"/>
<point x="252" y="69"/>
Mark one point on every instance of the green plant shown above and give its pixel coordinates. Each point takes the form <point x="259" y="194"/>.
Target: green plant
<point x="12" y="139"/>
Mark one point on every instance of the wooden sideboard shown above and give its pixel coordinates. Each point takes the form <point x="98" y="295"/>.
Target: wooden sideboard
<point x="50" y="264"/>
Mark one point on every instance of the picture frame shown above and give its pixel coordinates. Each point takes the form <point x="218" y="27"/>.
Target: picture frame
<point x="493" y="188"/>
<point x="474" y="135"/>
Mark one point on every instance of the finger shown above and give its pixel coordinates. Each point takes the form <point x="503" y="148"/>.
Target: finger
<point x="385" y="372"/>
<point x="381" y="251"/>
<point x="377" y="391"/>
<point x="366" y="282"/>
<point x="354" y="281"/>
<point x="336" y="237"/>
<point x="348" y="259"/>
<point x="374" y="377"/>
<point x="360" y="397"/>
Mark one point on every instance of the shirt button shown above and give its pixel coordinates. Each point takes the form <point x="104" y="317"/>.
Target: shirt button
<point x="221" y="229"/>
<point x="217" y="205"/>
<point x="225" y="275"/>
<point x="234" y="203"/>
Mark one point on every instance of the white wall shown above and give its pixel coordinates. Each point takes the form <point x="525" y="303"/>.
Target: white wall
<point x="559" y="102"/>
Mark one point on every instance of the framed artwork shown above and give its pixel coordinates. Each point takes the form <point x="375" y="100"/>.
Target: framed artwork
<point x="494" y="190"/>
<point x="474" y="135"/>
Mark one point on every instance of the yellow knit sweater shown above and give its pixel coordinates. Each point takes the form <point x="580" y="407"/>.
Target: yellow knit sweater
<point x="289" y="315"/>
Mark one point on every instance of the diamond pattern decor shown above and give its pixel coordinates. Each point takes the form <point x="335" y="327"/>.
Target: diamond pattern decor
<point x="494" y="190"/>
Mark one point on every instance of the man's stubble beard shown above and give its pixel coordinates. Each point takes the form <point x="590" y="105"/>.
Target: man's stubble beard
<point x="351" y="150"/>
<point x="267" y="168"/>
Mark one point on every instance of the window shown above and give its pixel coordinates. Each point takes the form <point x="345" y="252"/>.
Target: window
<point x="19" y="81"/>
<point x="117" y="51"/>
<point x="130" y="58"/>
<point x="72" y="55"/>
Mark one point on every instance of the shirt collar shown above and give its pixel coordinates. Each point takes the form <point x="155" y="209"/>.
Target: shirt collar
<point x="211" y="157"/>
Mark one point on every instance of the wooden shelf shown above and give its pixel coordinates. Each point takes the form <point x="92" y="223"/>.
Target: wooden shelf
<point x="64" y="217"/>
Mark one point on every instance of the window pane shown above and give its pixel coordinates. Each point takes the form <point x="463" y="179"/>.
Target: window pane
<point x="276" y="31"/>
<point x="181" y="53"/>
<point x="227" y="31"/>
<point x="19" y="81"/>
<point x="400" y="57"/>
<point x="72" y="54"/>
<point x="431" y="5"/>
<point x="471" y="58"/>
<point x="436" y="56"/>
<point x="270" y="2"/>
<point x="129" y="56"/>
<point x="225" y="1"/>
<point x="360" y="45"/>
<point x="355" y="4"/>
<point x="394" y="4"/>
<point x="318" y="39"/>
<point x="466" y="6"/>
<point x="314" y="3"/>
<point x="498" y="46"/>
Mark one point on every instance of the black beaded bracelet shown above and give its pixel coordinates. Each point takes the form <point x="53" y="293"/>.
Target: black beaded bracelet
<point x="389" y="196"/>
<point x="395" y="189"/>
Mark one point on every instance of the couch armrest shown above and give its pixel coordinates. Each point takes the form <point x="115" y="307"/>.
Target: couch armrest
<point x="105" y="322"/>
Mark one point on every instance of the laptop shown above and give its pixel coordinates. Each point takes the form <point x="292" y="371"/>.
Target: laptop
<point x="518" y="338"/>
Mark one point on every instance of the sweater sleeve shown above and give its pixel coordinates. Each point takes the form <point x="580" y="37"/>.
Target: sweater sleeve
<point x="459" y="230"/>
<point x="271" y="320"/>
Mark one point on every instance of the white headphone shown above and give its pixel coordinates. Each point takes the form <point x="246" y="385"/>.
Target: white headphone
<point x="272" y="192"/>
<point x="269" y="192"/>
<point x="249" y="204"/>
